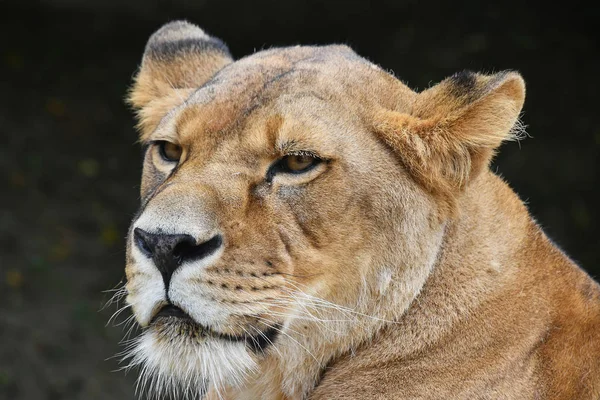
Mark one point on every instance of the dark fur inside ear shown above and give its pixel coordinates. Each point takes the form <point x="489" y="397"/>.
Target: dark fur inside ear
<point x="179" y="58"/>
<point x="455" y="128"/>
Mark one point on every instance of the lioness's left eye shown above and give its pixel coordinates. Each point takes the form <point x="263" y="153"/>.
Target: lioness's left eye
<point x="298" y="163"/>
<point x="294" y="164"/>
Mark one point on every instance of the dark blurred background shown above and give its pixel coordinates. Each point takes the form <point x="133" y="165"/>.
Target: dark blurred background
<point x="69" y="164"/>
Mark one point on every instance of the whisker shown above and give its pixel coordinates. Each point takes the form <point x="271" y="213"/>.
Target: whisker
<point x="117" y="313"/>
<point x="117" y="295"/>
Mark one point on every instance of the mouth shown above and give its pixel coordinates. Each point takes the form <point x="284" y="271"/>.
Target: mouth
<point x="172" y="321"/>
<point x="171" y="311"/>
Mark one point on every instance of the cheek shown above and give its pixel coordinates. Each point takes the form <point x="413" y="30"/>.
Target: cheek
<point x="328" y="209"/>
<point x="321" y="224"/>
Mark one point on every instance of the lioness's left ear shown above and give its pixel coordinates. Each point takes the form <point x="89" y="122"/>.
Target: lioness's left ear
<point x="455" y="127"/>
<point x="179" y="58"/>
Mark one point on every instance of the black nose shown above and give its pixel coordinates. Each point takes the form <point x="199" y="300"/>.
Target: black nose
<point x="170" y="251"/>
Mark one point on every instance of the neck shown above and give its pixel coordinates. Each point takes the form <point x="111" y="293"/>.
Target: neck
<point x="477" y="257"/>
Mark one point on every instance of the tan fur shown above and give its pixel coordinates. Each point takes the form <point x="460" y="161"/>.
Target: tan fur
<point x="401" y="268"/>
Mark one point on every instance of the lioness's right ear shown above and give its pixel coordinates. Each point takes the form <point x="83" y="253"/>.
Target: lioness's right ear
<point x="178" y="59"/>
<point x="454" y="128"/>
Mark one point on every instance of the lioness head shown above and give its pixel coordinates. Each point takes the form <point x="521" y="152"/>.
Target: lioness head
<point x="292" y="203"/>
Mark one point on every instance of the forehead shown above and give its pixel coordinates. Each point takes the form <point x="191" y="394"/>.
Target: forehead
<point x="310" y="85"/>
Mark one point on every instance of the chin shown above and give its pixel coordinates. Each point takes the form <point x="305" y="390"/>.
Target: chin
<point x="179" y="358"/>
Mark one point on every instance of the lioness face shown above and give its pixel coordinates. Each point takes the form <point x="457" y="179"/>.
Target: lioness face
<point x="267" y="204"/>
<point x="257" y="197"/>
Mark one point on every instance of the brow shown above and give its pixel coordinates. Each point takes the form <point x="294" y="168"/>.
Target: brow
<point x="166" y="130"/>
<point x="298" y="147"/>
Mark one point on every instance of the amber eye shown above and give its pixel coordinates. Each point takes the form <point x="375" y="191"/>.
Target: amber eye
<point x="293" y="164"/>
<point x="168" y="151"/>
<point x="298" y="163"/>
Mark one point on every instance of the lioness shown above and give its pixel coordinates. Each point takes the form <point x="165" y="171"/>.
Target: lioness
<point x="310" y="227"/>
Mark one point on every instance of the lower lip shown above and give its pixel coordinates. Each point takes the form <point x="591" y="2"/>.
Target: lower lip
<point x="171" y="327"/>
<point x="172" y="311"/>
<point x="174" y="318"/>
<point x="182" y="327"/>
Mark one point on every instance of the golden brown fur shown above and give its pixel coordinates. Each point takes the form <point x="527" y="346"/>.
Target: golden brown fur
<point x="398" y="268"/>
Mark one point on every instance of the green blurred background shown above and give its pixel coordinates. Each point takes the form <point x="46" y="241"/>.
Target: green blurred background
<point x="69" y="164"/>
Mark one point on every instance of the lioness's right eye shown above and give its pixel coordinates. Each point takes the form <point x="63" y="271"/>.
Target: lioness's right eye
<point x="170" y="152"/>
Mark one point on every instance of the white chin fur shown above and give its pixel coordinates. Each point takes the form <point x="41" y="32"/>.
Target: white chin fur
<point x="182" y="367"/>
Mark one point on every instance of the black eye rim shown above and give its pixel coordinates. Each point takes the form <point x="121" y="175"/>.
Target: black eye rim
<point x="161" y="150"/>
<point x="279" y="166"/>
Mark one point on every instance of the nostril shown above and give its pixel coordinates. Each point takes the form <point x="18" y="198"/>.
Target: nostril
<point x="169" y="251"/>
<point x="141" y="240"/>
<point x="188" y="250"/>
<point x="177" y="255"/>
<point x="184" y="247"/>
